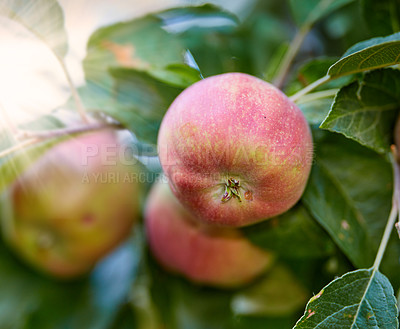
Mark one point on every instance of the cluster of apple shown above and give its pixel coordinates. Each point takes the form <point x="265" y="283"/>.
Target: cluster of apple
<point x="235" y="151"/>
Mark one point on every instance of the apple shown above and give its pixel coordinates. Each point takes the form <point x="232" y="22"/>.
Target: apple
<point x="210" y="255"/>
<point x="73" y="205"/>
<point x="235" y="149"/>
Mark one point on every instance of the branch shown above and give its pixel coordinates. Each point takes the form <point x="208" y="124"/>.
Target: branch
<point x="75" y="94"/>
<point x="393" y="213"/>
<point x="294" y="48"/>
<point x="310" y="87"/>
<point x="318" y="95"/>
<point x="46" y="134"/>
<point x="33" y="137"/>
<point x="19" y="146"/>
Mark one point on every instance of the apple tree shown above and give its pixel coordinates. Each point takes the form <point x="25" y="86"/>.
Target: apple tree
<point x="112" y="255"/>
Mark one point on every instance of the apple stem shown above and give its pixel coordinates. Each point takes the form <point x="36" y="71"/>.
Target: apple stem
<point x="317" y="95"/>
<point x="294" y="98"/>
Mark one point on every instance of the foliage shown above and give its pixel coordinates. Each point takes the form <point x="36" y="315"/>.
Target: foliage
<point x="328" y="242"/>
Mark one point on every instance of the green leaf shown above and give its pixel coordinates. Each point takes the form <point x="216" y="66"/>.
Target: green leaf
<point x="126" y="319"/>
<point x="140" y="44"/>
<point x="137" y="100"/>
<point x="206" y="16"/>
<point x="278" y="293"/>
<point x="365" y="177"/>
<point x="245" y="48"/>
<point x="182" y="304"/>
<point x="177" y="75"/>
<point x="141" y="304"/>
<point x="316" y="109"/>
<point x="330" y="205"/>
<point x="143" y="100"/>
<point x="359" y="299"/>
<point x="44" y="18"/>
<point x="382" y="17"/>
<point x="365" y="111"/>
<point x="312" y="71"/>
<point x="349" y="193"/>
<point x="29" y="300"/>
<point x="292" y="235"/>
<point x="368" y="55"/>
<point x="307" y="12"/>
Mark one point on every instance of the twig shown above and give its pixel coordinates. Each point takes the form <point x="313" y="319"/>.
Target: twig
<point x="33" y="137"/>
<point x="392" y="217"/>
<point x="294" y="47"/>
<point x="19" y="146"/>
<point x="46" y="134"/>
<point x="318" y="95"/>
<point x="310" y="87"/>
<point x="75" y="94"/>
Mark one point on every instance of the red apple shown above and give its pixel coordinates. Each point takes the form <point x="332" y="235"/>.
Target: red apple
<point x="205" y="254"/>
<point x="73" y="205"/>
<point x="235" y="149"/>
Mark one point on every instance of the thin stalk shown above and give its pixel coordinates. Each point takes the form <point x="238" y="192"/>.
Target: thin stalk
<point x="75" y="94"/>
<point x="294" y="48"/>
<point x="392" y="217"/>
<point x="19" y="146"/>
<point x="33" y="137"/>
<point x="318" y="95"/>
<point x="386" y="235"/>
<point x="310" y="87"/>
<point x="46" y="134"/>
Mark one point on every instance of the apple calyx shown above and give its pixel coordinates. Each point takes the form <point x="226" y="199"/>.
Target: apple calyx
<point x="232" y="189"/>
<point x="45" y="240"/>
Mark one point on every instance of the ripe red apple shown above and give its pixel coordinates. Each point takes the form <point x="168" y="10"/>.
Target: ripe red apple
<point x="205" y="254"/>
<point x="235" y="149"/>
<point x="73" y="205"/>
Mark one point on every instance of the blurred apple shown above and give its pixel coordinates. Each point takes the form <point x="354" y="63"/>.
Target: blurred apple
<point x="74" y="205"/>
<point x="210" y="255"/>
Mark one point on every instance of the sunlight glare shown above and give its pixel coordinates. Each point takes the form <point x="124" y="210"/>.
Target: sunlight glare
<point x="31" y="81"/>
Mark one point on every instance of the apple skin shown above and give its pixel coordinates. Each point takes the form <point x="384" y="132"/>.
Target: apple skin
<point x="61" y="219"/>
<point x="210" y="255"/>
<point x="238" y="132"/>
